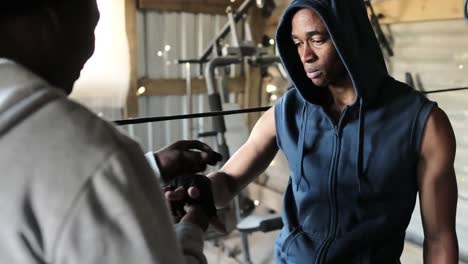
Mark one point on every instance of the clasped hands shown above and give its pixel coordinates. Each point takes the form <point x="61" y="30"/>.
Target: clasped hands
<point x="189" y="194"/>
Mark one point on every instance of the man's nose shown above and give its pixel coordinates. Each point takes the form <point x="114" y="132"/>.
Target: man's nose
<point x="308" y="54"/>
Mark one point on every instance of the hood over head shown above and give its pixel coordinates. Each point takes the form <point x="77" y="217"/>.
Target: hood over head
<point x="348" y="24"/>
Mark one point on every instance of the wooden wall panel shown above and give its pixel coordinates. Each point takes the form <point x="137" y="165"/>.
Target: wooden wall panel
<point x="190" y="6"/>
<point x="399" y="11"/>
<point x="395" y="11"/>
<point x="131" y="107"/>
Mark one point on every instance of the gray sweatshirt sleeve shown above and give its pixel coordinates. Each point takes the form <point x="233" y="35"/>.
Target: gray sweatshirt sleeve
<point x="120" y="216"/>
<point x="189" y="236"/>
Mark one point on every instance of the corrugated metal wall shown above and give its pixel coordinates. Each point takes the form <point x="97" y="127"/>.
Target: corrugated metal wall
<point x="163" y="133"/>
<point x="437" y="53"/>
<point x="164" y="38"/>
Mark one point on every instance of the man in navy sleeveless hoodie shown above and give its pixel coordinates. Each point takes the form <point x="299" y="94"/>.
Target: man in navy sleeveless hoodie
<point x="360" y="146"/>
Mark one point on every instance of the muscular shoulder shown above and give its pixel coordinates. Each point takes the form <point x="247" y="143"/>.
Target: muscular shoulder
<point x="438" y="139"/>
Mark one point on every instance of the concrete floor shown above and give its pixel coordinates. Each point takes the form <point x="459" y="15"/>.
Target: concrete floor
<point x="229" y="250"/>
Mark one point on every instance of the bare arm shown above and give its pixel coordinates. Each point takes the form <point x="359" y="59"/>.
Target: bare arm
<point x="438" y="190"/>
<point x="248" y="162"/>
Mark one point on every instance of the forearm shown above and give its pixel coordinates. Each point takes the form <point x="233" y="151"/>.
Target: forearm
<point x="441" y="250"/>
<point x="236" y="175"/>
<point x="224" y="188"/>
<point x="248" y="162"/>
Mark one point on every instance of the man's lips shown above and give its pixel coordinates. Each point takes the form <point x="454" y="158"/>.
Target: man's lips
<point x="313" y="74"/>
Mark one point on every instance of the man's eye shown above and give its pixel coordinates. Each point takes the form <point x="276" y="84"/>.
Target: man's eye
<point x="318" y="41"/>
<point x="298" y="44"/>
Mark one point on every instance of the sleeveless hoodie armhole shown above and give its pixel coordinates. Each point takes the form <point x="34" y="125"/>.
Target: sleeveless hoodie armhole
<point x="420" y="125"/>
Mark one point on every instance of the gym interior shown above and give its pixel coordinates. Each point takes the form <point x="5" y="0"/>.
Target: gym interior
<point x="207" y="70"/>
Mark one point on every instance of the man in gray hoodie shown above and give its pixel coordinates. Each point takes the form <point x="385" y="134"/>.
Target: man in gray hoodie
<point x="73" y="189"/>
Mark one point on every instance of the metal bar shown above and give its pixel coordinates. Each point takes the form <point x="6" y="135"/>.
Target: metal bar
<point x="188" y="76"/>
<point x="445" y="90"/>
<point x="244" y="239"/>
<point x="230" y="112"/>
<point x="145" y="45"/>
<point x="243" y="9"/>
<point x="149" y="131"/>
<point x="192" y="61"/>
<point x="409" y="80"/>
<point x="198" y="115"/>
<point x="149" y="126"/>
<point x="378" y="29"/>
<point x="232" y="25"/>
<point x="212" y="65"/>
<point x="267" y="59"/>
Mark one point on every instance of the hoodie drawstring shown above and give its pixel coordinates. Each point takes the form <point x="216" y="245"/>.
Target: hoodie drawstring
<point x="359" y="162"/>
<point x="300" y="146"/>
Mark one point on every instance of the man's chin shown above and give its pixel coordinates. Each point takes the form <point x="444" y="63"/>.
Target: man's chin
<point x="319" y="83"/>
<point x="70" y="83"/>
<point x="66" y="86"/>
<point x="68" y="90"/>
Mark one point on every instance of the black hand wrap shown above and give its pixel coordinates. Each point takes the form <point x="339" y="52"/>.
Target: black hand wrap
<point x="205" y="199"/>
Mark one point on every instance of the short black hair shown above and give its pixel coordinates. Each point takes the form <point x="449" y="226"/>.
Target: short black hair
<point x="25" y="7"/>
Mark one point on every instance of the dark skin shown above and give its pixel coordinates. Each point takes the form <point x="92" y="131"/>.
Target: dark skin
<point x="321" y="61"/>
<point x="185" y="156"/>
<point x="60" y="44"/>
<point x="435" y="175"/>
<point x="57" y="49"/>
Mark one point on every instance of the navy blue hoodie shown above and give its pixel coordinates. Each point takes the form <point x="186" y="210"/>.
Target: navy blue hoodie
<point x="353" y="182"/>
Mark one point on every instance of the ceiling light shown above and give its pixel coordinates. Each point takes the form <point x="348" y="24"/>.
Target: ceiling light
<point x="141" y="90"/>
<point x="271" y="88"/>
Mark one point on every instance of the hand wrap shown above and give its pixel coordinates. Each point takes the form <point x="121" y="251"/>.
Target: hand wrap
<point x="205" y="199"/>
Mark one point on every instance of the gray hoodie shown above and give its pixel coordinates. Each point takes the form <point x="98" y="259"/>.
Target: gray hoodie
<point x="75" y="190"/>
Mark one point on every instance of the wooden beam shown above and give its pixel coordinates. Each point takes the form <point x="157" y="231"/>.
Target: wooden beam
<point x="273" y="21"/>
<point x="254" y="80"/>
<point x="165" y="87"/>
<point x="190" y="6"/>
<point x="394" y="11"/>
<point x="131" y="107"/>
<point x="401" y="11"/>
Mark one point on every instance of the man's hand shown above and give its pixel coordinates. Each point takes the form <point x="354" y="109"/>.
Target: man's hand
<point x="192" y="201"/>
<point x="185" y="156"/>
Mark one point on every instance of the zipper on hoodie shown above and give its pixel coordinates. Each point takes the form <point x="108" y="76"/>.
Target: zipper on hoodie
<point x="321" y="257"/>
